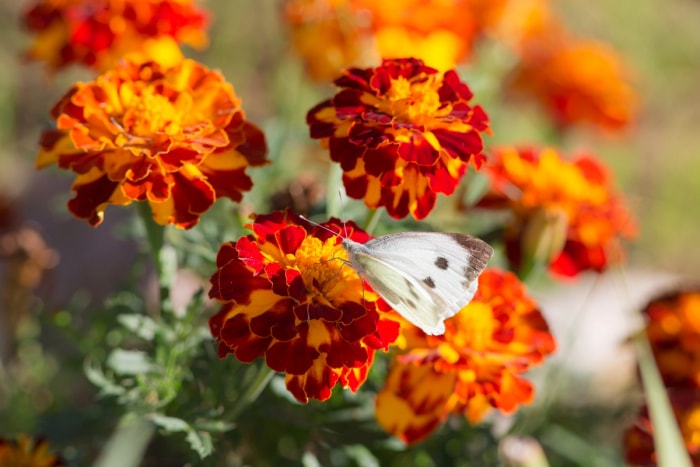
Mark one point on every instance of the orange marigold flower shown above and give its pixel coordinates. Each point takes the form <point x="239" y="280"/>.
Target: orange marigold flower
<point x="639" y="437"/>
<point x="402" y="133"/>
<point x="27" y="452"/>
<point x="475" y="366"/>
<point x="175" y="137"/>
<point x="96" y="33"/>
<point x="575" y="196"/>
<point x="575" y="82"/>
<point x="289" y="296"/>
<point x="331" y="35"/>
<point x="441" y="33"/>
<point x="673" y="329"/>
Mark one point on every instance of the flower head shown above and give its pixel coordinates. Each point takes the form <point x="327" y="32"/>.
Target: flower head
<point x="673" y="329"/>
<point x="575" y="82"/>
<point x="331" y="35"/>
<point x="175" y="137"/>
<point x="440" y="32"/>
<point x="529" y="182"/>
<point x="639" y="437"/>
<point x="475" y="366"/>
<point x="28" y="452"/>
<point x="402" y="133"/>
<point x="289" y="297"/>
<point x="96" y="33"/>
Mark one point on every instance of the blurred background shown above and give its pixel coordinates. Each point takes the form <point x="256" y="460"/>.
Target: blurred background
<point x="656" y="164"/>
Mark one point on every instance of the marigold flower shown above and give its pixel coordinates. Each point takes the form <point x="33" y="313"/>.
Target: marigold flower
<point x="96" y="33"/>
<point x="475" y="366"/>
<point x="175" y="137"/>
<point x="331" y="35"/>
<point x="401" y="133"/>
<point x="289" y="296"/>
<point x="441" y="33"/>
<point x="527" y="181"/>
<point x="673" y="329"/>
<point x="28" y="452"/>
<point x="639" y="437"/>
<point x="575" y="81"/>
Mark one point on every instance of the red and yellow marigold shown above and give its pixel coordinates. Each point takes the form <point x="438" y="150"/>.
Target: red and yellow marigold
<point x="331" y="35"/>
<point x="442" y="33"/>
<point x="567" y="206"/>
<point x="290" y="297"/>
<point x="475" y="366"/>
<point x="402" y="133"/>
<point x="574" y="81"/>
<point x="673" y="330"/>
<point x="96" y="33"/>
<point x="638" y="439"/>
<point x="27" y="452"/>
<point x="175" y="137"/>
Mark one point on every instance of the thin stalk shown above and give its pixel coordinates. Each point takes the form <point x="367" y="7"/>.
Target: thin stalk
<point x="128" y="443"/>
<point x="262" y="378"/>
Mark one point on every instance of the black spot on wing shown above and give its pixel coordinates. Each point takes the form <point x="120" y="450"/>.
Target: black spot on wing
<point x="442" y="263"/>
<point x="429" y="282"/>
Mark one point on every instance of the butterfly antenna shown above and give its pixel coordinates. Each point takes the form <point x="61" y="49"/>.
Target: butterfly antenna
<point x="319" y="225"/>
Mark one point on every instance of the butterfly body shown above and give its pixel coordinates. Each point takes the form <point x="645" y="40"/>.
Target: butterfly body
<point x="425" y="276"/>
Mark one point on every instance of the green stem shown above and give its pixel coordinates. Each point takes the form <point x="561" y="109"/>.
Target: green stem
<point x="128" y="443"/>
<point x="163" y="257"/>
<point x="372" y="219"/>
<point x="253" y="390"/>
<point x="668" y="441"/>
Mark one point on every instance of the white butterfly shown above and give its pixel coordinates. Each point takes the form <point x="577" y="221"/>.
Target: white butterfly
<point x="426" y="276"/>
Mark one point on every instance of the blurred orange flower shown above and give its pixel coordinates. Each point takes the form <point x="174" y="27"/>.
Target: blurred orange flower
<point x="175" y="137"/>
<point x="288" y="296"/>
<point x="673" y="330"/>
<point x="27" y="452"/>
<point x="331" y="35"/>
<point x="575" y="81"/>
<point x="475" y="366"/>
<point x="402" y="133"/>
<point x="440" y="32"/>
<point x="96" y="33"/>
<point x="568" y="206"/>
<point x="639" y="437"/>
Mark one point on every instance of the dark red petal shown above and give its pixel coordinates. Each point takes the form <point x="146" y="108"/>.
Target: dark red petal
<point x="89" y="197"/>
<point x="418" y="151"/>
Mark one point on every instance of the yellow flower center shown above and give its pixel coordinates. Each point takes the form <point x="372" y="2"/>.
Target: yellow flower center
<point x="325" y="271"/>
<point x="413" y="102"/>
<point x="153" y="113"/>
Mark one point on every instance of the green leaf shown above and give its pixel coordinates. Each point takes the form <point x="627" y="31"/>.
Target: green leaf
<point x="140" y="325"/>
<point x="199" y="441"/>
<point x="129" y="362"/>
<point x="96" y="376"/>
<point x="171" y="424"/>
<point x="668" y="441"/>
<point x="215" y="426"/>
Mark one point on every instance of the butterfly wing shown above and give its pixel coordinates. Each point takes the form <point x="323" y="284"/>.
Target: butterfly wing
<point x="426" y="276"/>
